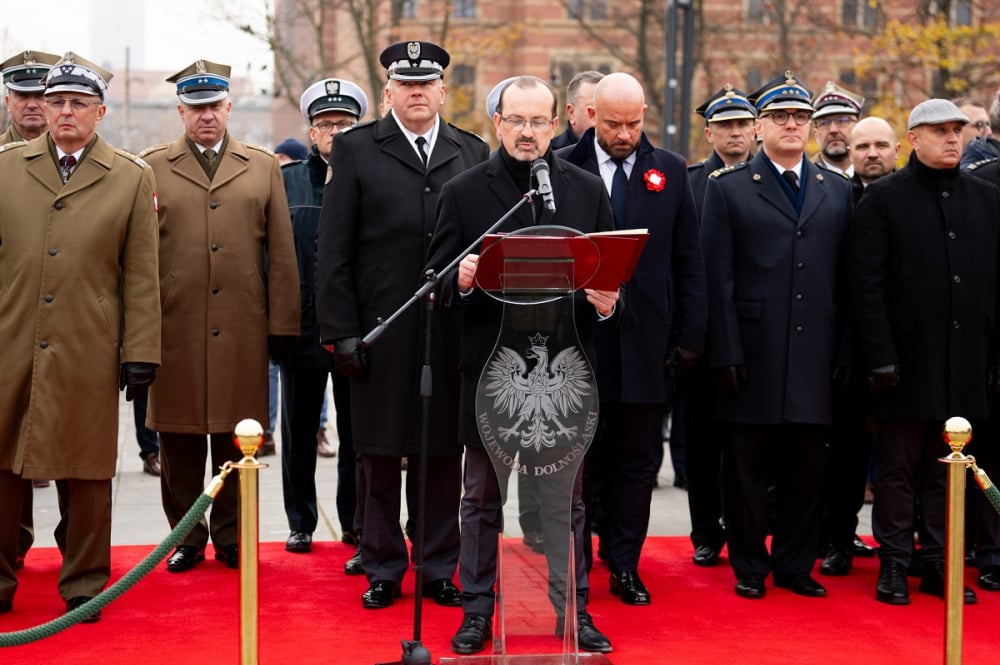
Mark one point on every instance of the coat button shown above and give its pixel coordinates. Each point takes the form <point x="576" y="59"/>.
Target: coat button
<point x="945" y="195"/>
<point x="215" y="247"/>
<point x="798" y="330"/>
<point x="951" y="235"/>
<point x="799" y="234"/>
<point x="215" y="289"/>
<point x="957" y="279"/>
<point x="427" y="190"/>
<point x="215" y="332"/>
<point x="59" y="205"/>
<point x="798" y="297"/>
<point x="954" y="324"/>
<point x="213" y="205"/>
<point x="53" y="251"/>
<point x="48" y="297"/>
<point x="43" y="344"/>
<point x="800" y="265"/>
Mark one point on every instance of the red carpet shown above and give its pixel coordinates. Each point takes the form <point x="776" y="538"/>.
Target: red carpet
<point x="311" y="613"/>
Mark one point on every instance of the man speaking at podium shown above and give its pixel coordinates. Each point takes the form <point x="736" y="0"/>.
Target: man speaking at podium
<point x="525" y="121"/>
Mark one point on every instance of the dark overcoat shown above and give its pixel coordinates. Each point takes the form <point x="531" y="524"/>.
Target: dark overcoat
<point x="924" y="250"/>
<point x="666" y="297"/>
<point x="469" y="205"/>
<point x="375" y="227"/>
<point x="774" y="305"/>
<point x="698" y="175"/>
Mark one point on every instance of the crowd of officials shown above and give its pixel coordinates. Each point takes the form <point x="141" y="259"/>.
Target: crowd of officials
<point x="812" y="322"/>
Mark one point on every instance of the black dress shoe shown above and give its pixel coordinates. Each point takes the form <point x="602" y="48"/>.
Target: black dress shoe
<point x="6" y="606"/>
<point x="353" y="566"/>
<point x="860" y="549"/>
<point x="151" y="464"/>
<point x="349" y="538"/>
<point x="751" y="586"/>
<point x="706" y="556"/>
<point x="588" y="637"/>
<point x="629" y="586"/>
<point x="229" y="555"/>
<point x="473" y="634"/>
<point x="989" y="578"/>
<point x="837" y="562"/>
<point x="443" y="592"/>
<point x="380" y="594"/>
<point x="932" y="583"/>
<point x="299" y="542"/>
<point x="891" y="587"/>
<point x="184" y="558"/>
<point x="78" y="601"/>
<point x="534" y="540"/>
<point x="803" y="585"/>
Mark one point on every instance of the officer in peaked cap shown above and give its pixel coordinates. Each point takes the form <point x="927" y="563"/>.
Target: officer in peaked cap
<point x="773" y="226"/>
<point x="407" y="155"/>
<point x="202" y="82"/>
<point x="837" y="111"/>
<point x="414" y="61"/>
<point x="493" y="99"/>
<point x="329" y="106"/>
<point x="24" y="71"/>
<point x="221" y="202"/>
<point x="729" y="128"/>
<point x="75" y="74"/>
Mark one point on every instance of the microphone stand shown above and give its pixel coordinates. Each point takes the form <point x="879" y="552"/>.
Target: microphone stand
<point x="414" y="652"/>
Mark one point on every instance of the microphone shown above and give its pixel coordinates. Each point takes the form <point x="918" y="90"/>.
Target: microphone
<point x="540" y="169"/>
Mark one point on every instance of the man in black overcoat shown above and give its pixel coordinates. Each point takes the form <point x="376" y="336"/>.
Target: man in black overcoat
<point x="374" y="230"/>
<point x="924" y="250"/>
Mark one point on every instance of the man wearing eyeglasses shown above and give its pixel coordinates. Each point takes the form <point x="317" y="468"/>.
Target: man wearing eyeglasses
<point x="329" y="106"/>
<point x="772" y="230"/>
<point x="230" y="300"/>
<point x="979" y="120"/>
<point x="837" y="111"/>
<point x="374" y="231"/>
<point x="80" y="320"/>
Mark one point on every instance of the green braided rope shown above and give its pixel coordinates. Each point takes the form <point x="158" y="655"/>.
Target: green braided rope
<point x="100" y="601"/>
<point x="989" y="489"/>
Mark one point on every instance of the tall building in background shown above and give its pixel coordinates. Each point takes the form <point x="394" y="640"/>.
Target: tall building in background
<point x="108" y="45"/>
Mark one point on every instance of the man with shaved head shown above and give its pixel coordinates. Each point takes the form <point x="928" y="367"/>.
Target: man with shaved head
<point x="874" y="151"/>
<point x="661" y="330"/>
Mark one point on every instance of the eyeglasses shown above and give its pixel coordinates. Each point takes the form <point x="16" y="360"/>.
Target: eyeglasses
<point x="840" y="121"/>
<point x="75" y="104"/>
<point x="781" y="117"/>
<point x="326" y="126"/>
<point x="537" y="124"/>
<point x="980" y="125"/>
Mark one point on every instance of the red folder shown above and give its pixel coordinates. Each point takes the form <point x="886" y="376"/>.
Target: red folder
<point x="602" y="261"/>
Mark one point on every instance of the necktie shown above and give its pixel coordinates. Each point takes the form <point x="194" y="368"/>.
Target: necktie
<point x="619" y="193"/>
<point x="421" y="143"/>
<point x="66" y="164"/>
<point x="210" y="155"/>
<point x="792" y="180"/>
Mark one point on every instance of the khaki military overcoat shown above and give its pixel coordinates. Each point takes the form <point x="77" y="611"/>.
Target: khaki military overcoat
<point x="228" y="279"/>
<point x="78" y="296"/>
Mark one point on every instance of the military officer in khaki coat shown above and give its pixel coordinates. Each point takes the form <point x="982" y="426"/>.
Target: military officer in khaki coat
<point x="79" y="313"/>
<point x="22" y="78"/>
<point x="222" y="211"/>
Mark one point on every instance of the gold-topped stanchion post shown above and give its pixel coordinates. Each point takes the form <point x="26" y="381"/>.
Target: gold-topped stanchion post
<point x="248" y="436"/>
<point x="957" y="433"/>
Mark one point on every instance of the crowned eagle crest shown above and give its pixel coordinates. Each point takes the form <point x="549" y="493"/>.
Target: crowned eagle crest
<point x="539" y="398"/>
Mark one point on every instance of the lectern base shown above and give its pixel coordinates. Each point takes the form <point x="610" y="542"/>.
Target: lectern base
<point x="526" y="659"/>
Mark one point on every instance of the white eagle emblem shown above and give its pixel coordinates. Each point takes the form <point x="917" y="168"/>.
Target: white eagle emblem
<point x="541" y="397"/>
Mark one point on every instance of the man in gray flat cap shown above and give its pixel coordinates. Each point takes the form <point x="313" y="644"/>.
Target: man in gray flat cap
<point x="922" y="281"/>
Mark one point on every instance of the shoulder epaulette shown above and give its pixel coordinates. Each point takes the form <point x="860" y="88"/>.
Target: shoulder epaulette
<point x="153" y="148"/>
<point x="261" y="148"/>
<point x="135" y="159"/>
<point x="981" y="162"/>
<point x="829" y="170"/>
<point x="696" y="165"/>
<point x="12" y="144"/>
<point x="727" y="169"/>
<point x="366" y="123"/>
<point x="467" y="132"/>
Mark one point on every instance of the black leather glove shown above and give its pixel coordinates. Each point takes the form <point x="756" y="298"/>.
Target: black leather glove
<point x="681" y="359"/>
<point x="883" y="380"/>
<point x="731" y="379"/>
<point x="841" y="377"/>
<point x="993" y="381"/>
<point x="135" y="378"/>
<point x="279" y="346"/>
<point x="350" y="358"/>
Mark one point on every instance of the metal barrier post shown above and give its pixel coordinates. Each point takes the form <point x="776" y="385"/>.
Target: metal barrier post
<point x="957" y="433"/>
<point x="248" y="436"/>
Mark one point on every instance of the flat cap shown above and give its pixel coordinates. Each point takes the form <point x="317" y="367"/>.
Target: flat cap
<point x="24" y="71"/>
<point x="202" y="82"/>
<point x="414" y="61"/>
<point x="493" y="99"/>
<point x="935" y="112"/>
<point x="728" y="103"/>
<point x="782" y="92"/>
<point x="71" y="73"/>
<point x="333" y="95"/>
<point x="834" y="100"/>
